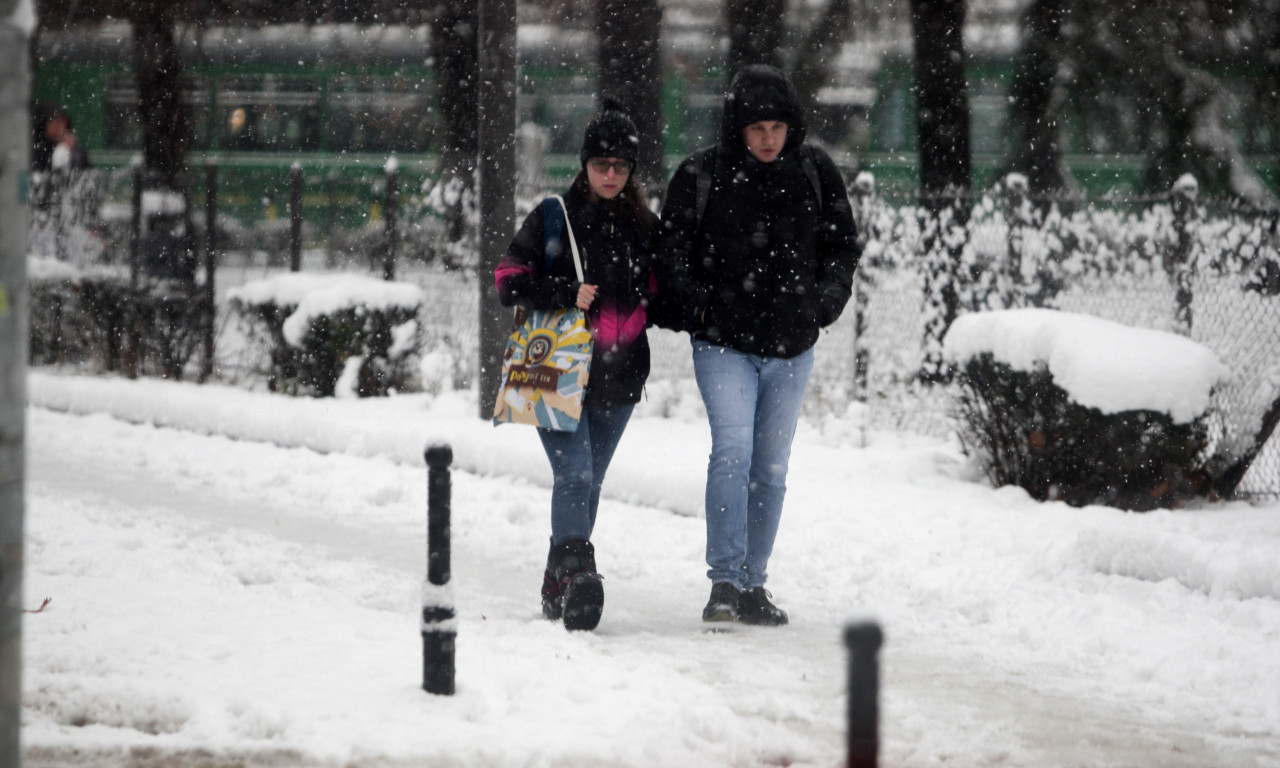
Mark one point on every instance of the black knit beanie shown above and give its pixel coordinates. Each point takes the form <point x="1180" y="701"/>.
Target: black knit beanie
<point x="611" y="133"/>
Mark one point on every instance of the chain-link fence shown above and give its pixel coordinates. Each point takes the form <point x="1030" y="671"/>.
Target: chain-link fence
<point x="1205" y="268"/>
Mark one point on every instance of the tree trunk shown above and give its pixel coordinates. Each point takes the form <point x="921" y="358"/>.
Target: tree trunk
<point x="942" y="138"/>
<point x="497" y="143"/>
<point x="630" y="69"/>
<point x="165" y="130"/>
<point x="457" y="54"/>
<point x="812" y="69"/>
<point x="942" y="102"/>
<point x="755" y="33"/>
<point x="1037" y="100"/>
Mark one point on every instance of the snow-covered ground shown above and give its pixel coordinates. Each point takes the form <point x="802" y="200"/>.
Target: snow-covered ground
<point x="235" y="580"/>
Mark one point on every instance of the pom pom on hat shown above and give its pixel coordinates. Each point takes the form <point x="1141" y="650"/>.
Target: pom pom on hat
<point x="611" y="133"/>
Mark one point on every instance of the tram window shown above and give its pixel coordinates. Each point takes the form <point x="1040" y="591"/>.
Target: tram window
<point x="120" y="114"/>
<point x="380" y="114"/>
<point x="986" y="124"/>
<point x="269" y="112"/>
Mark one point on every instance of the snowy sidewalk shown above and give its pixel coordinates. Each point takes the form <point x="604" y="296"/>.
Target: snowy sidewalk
<point x="242" y="597"/>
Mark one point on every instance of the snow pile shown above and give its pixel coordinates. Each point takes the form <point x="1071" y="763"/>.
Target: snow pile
<point x="1101" y="364"/>
<point x="219" y="598"/>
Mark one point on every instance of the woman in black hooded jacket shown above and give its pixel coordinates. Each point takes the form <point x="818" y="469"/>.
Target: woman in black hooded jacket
<point x="754" y="270"/>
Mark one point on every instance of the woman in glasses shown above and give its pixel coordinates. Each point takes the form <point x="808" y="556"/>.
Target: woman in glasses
<point x="615" y="233"/>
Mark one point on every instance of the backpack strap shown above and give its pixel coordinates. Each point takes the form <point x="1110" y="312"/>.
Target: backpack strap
<point x="811" y="170"/>
<point x="704" y="161"/>
<point x="553" y="228"/>
<point x="555" y="220"/>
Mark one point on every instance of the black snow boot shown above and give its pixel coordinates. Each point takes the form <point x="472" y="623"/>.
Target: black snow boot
<point x="754" y="607"/>
<point x="723" y="605"/>
<point x="571" y="588"/>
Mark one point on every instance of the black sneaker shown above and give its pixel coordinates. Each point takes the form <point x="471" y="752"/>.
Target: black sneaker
<point x="723" y="605"/>
<point x="754" y="607"/>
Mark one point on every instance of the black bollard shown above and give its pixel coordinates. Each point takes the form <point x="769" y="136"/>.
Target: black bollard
<point x="863" y="641"/>
<point x="439" y="628"/>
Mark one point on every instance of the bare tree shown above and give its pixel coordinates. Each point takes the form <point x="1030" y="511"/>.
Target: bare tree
<point x="455" y="47"/>
<point x="755" y="32"/>
<point x="1038" y="99"/>
<point x="942" y="102"/>
<point x="630" y="69"/>
<point x="942" y="138"/>
<point x="812" y="68"/>
<point x="158" y="69"/>
<point x="1142" y="75"/>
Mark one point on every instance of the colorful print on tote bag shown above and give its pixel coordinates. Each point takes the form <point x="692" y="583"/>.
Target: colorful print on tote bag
<point x="548" y="358"/>
<point x="545" y="370"/>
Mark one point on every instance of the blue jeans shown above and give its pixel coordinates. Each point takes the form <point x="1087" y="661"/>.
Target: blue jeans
<point x="578" y="463"/>
<point x="753" y="404"/>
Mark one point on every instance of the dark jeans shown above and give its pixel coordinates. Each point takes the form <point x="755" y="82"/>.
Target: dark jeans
<point x="578" y="463"/>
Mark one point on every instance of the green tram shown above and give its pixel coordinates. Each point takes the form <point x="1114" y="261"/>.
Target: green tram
<point x="338" y="101"/>
<point x="1102" y="141"/>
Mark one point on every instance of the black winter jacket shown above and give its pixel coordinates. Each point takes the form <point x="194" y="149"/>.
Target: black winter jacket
<point x="616" y="256"/>
<point x="768" y="267"/>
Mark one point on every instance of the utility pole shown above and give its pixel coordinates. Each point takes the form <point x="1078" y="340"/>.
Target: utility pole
<point x="14" y="137"/>
<point x="497" y="149"/>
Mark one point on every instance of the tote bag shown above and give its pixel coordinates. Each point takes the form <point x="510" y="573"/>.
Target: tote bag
<point x="548" y="358"/>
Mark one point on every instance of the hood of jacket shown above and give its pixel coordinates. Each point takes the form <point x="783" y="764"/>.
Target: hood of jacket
<point x="760" y="92"/>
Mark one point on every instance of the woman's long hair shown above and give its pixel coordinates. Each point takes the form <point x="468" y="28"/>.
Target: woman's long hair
<point x="630" y="202"/>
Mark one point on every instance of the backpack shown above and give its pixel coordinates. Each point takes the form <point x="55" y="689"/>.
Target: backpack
<point x="705" y="161"/>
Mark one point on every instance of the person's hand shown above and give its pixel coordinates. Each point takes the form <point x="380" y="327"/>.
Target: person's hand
<point x="586" y="295"/>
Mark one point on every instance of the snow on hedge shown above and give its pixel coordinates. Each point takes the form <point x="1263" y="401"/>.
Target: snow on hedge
<point x="316" y="295"/>
<point x="1100" y="363"/>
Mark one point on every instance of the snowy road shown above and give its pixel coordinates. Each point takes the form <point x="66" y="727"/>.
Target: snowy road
<point x="219" y="601"/>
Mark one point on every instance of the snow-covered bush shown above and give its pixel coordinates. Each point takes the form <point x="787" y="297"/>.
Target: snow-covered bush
<point x="94" y="316"/>
<point x="60" y="330"/>
<point x="324" y="329"/>
<point x="1082" y="410"/>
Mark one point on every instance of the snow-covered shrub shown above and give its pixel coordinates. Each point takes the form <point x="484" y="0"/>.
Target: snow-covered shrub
<point x="442" y="220"/>
<point x="95" y="316"/>
<point x="1026" y="431"/>
<point x="318" y="326"/>
<point x="61" y="331"/>
<point x="1083" y="410"/>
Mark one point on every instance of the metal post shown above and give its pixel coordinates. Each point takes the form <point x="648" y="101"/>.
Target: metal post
<point x="439" y="627"/>
<point x="135" y="228"/>
<point x="210" y="261"/>
<point x="295" y="218"/>
<point x="863" y="641"/>
<point x="863" y="200"/>
<point x="1180" y="264"/>
<point x="389" y="221"/>
<point x="14" y="142"/>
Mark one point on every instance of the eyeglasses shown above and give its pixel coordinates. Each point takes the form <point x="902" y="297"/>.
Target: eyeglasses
<point x="602" y="166"/>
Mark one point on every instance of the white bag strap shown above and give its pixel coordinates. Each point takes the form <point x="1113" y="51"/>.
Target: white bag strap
<point x="573" y="244"/>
